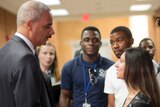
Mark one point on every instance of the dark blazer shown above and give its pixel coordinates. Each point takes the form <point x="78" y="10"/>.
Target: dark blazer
<point x="21" y="80"/>
<point x="49" y="85"/>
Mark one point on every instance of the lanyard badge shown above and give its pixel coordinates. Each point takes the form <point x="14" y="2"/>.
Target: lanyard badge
<point x="86" y="105"/>
<point x="93" y="80"/>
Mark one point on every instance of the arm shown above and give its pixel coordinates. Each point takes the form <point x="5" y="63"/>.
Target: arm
<point x="65" y="98"/>
<point x="108" y="88"/>
<point x="27" y="83"/>
<point x="66" y="85"/>
<point x="111" y="100"/>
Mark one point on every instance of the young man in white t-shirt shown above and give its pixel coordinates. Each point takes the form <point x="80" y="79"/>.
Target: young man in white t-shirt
<point x="149" y="46"/>
<point x="120" y="39"/>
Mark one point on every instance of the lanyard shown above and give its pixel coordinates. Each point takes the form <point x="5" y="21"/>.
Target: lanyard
<point x="86" y="85"/>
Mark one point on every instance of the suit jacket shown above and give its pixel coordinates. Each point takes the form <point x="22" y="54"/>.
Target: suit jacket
<point x="21" y="80"/>
<point x="49" y="85"/>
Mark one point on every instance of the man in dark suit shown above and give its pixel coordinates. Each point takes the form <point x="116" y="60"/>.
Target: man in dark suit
<point x="21" y="81"/>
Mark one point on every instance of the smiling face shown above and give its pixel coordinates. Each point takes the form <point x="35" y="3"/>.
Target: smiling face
<point x="120" y="67"/>
<point x="46" y="56"/>
<point x="119" y="42"/>
<point x="90" y="42"/>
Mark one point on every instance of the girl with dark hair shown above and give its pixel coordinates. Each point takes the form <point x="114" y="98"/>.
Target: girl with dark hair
<point x="136" y="68"/>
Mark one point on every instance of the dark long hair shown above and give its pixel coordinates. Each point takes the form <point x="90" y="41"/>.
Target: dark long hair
<point x="140" y="74"/>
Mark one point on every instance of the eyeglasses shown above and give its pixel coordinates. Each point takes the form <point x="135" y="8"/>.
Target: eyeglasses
<point x="92" y="75"/>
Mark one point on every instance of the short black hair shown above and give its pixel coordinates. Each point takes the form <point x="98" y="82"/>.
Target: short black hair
<point x="124" y="29"/>
<point x="93" y="28"/>
<point x="145" y="39"/>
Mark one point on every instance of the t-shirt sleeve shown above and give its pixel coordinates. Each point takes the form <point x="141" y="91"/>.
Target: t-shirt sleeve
<point x="66" y="77"/>
<point x="108" y="88"/>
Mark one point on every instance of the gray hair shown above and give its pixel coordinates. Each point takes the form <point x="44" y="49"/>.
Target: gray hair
<point x="31" y="10"/>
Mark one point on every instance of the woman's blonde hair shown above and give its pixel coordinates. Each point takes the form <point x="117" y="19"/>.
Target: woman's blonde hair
<point x="54" y="66"/>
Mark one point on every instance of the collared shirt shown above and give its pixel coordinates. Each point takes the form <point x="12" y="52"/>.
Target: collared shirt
<point x="73" y="80"/>
<point x="27" y="41"/>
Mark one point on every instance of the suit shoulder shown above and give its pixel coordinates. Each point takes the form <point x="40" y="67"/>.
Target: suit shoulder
<point x="14" y="52"/>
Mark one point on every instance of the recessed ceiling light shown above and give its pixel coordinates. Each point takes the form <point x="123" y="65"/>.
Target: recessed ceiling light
<point x="140" y="7"/>
<point x="50" y="2"/>
<point x="143" y="0"/>
<point x="59" y="12"/>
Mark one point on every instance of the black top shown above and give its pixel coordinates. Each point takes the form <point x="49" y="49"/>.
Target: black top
<point x="140" y="100"/>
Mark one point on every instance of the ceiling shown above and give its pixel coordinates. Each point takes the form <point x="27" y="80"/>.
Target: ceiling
<point x="95" y="8"/>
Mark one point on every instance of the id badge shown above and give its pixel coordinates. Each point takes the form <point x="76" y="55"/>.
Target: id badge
<point x="86" y="105"/>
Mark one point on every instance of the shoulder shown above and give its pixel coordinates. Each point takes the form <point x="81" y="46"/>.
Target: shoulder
<point x="155" y="63"/>
<point x="71" y="62"/>
<point x="141" y="100"/>
<point x="70" y="65"/>
<point x="111" y="73"/>
<point x="26" y="62"/>
<point x="16" y="48"/>
<point x="112" y="69"/>
<point x="142" y="97"/>
<point x="106" y="61"/>
<point x="17" y="53"/>
<point x="25" y="59"/>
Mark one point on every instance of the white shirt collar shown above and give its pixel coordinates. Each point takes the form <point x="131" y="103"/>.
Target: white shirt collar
<point x="27" y="41"/>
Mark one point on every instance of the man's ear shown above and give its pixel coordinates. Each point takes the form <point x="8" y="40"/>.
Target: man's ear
<point x="100" y="43"/>
<point x="131" y="41"/>
<point x="29" y="24"/>
<point x="80" y="43"/>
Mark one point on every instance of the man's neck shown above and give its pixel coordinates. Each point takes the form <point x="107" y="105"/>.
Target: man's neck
<point x="90" y="59"/>
<point x="25" y="32"/>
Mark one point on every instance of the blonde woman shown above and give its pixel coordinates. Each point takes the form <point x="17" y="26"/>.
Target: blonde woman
<point x="48" y="61"/>
<point x="49" y="67"/>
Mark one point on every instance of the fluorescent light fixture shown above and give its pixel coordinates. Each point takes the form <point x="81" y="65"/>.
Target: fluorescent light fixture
<point x="50" y="2"/>
<point x="143" y="0"/>
<point x="59" y="12"/>
<point x="143" y="7"/>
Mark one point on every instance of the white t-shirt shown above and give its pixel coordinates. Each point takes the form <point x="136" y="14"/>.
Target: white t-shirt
<point x="115" y="86"/>
<point x="155" y="64"/>
<point x="158" y="78"/>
